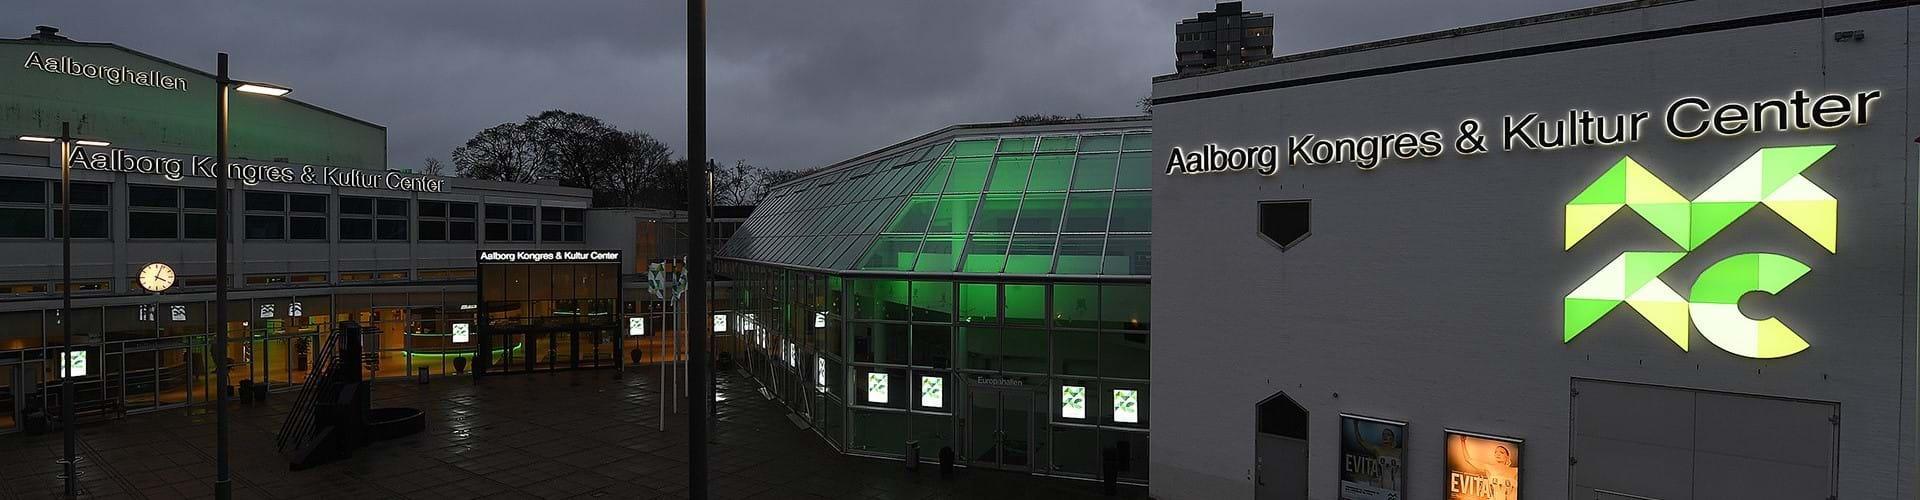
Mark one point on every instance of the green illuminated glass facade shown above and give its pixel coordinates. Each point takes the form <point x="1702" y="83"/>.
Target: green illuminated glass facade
<point x="948" y="291"/>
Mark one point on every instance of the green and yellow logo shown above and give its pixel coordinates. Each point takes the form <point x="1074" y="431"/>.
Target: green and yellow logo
<point x="1770" y="177"/>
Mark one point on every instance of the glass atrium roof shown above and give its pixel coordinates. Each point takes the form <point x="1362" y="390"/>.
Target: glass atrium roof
<point x="1061" y="203"/>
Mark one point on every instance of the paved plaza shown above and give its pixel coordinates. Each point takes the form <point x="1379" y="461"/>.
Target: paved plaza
<point x="580" y="434"/>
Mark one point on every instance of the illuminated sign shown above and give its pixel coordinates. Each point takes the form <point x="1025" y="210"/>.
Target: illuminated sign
<point x="933" y="392"/>
<point x="295" y="310"/>
<point x="178" y="312"/>
<point x="1684" y="118"/>
<point x="1770" y="177"/>
<point x="266" y="311"/>
<point x="461" y="333"/>
<point x="820" y="373"/>
<point x="1073" y="402"/>
<point x="877" y="388"/>
<point x="175" y="167"/>
<point x="1481" y="467"/>
<point x="1126" y="406"/>
<point x="75" y="363"/>
<point x="111" y="75"/>
<point x="748" y="321"/>
<point x="636" y="327"/>
<point x="1373" y="459"/>
<point x="819" y="320"/>
<point x="550" y="256"/>
<point x="720" y="323"/>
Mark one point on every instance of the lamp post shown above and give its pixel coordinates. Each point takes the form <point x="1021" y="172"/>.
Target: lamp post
<point x="223" y="474"/>
<point x="66" y="141"/>
<point x="697" y="247"/>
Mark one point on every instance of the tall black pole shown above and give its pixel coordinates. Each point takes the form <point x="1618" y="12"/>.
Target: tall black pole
<point x="66" y="306"/>
<point x="698" y="321"/>
<point x="223" y="476"/>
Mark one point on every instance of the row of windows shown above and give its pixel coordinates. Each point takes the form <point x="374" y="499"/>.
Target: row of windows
<point x="29" y="207"/>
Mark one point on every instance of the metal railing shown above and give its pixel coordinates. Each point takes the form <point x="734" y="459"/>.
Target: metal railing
<point x="301" y="418"/>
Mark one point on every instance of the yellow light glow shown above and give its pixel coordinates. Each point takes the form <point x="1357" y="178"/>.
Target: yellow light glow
<point x="32" y="138"/>
<point x="263" y="89"/>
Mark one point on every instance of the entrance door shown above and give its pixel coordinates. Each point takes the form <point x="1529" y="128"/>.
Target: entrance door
<point x="13" y="398"/>
<point x="1280" y="449"/>
<point x="1000" y="433"/>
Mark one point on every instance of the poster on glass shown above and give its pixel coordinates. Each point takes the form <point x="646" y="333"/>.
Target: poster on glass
<point x="1373" y="457"/>
<point x="1482" y="467"/>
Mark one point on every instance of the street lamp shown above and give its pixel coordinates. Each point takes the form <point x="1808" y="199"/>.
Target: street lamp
<point x="66" y="141"/>
<point x="223" y="473"/>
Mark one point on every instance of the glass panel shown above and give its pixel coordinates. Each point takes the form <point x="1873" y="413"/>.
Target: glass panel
<point x="1016" y="144"/>
<point x="1079" y="255"/>
<point x="938" y="179"/>
<point x="1124" y="355"/>
<point x="1136" y="171"/>
<point x="938" y="253"/>
<point x="1026" y="305"/>
<point x="142" y="196"/>
<point x="1108" y="142"/>
<point x="985" y="253"/>
<point x="1030" y="255"/>
<point x="913" y="217"/>
<point x="976" y="147"/>
<point x="931" y="345"/>
<point x="1087" y="212"/>
<point x="1124" y="307"/>
<point x="1138" y="142"/>
<point x="1128" y="255"/>
<point x="997" y="212"/>
<point x="954" y="214"/>
<point x="1075" y="352"/>
<point x="1010" y="173"/>
<point x="979" y="348"/>
<point x="1051" y="172"/>
<point x="1058" y="143"/>
<point x="979" y="303"/>
<point x="1023" y="350"/>
<point x="892" y="253"/>
<point x="933" y="301"/>
<point x="1132" y="212"/>
<point x="1094" y="171"/>
<point x="1041" y="213"/>
<point x="969" y="175"/>
<point x="1076" y="306"/>
<point x="880" y="299"/>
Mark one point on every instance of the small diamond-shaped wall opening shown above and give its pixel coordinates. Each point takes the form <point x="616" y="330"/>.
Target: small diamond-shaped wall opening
<point x="1285" y="223"/>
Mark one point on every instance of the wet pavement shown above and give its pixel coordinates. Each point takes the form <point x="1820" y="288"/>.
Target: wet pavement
<point x="583" y="434"/>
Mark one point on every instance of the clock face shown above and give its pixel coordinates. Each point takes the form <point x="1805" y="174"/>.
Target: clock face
<point x="156" y="277"/>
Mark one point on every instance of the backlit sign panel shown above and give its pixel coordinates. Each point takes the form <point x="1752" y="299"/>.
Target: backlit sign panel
<point x="877" y="388"/>
<point x="1482" y="467"/>
<point x="1373" y="459"/>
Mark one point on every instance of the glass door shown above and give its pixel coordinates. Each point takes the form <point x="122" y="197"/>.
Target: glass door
<point x="1000" y="433"/>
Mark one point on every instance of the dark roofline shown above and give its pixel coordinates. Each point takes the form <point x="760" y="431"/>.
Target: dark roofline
<point x="33" y="41"/>
<point x="857" y="159"/>
<point x="1431" y="36"/>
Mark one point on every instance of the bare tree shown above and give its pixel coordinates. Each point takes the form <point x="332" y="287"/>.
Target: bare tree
<point x="433" y="167"/>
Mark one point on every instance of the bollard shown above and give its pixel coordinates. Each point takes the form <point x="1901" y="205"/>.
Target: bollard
<point x="423" y="375"/>
<point x="946" y="461"/>
<point x="246" y="391"/>
<point x="913" y="455"/>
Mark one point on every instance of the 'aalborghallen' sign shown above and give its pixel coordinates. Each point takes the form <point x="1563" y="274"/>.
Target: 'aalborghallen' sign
<point x="1684" y="118"/>
<point x="175" y="167"/>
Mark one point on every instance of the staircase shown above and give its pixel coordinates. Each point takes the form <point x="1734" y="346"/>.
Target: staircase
<point x="328" y="417"/>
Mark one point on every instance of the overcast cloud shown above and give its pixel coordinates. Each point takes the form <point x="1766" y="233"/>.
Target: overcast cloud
<point x="793" y="84"/>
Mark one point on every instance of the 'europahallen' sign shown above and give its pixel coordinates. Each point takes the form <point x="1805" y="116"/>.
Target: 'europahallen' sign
<point x="175" y="167"/>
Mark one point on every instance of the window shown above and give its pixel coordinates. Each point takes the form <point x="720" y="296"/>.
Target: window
<point x="509" y="223"/>
<point x="90" y="218"/>
<point x="153" y="212"/>
<point x="363" y="219"/>
<point x="562" y="224"/>
<point x="444" y="221"/>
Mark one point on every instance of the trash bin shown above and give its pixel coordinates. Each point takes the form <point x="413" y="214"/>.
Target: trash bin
<point x="423" y="375"/>
<point x="246" y="391"/>
<point x="913" y="455"/>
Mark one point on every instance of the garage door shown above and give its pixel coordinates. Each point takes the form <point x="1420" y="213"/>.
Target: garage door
<point x="1645" y="442"/>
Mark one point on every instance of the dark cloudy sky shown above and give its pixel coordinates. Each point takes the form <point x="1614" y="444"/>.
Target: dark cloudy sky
<point x="793" y="84"/>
